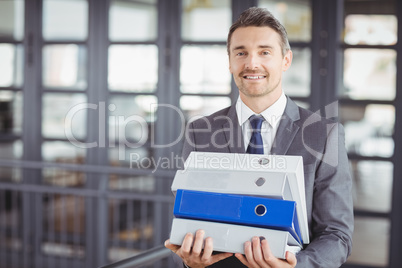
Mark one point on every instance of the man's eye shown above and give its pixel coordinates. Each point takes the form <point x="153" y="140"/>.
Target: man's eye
<point x="265" y="53"/>
<point x="241" y="54"/>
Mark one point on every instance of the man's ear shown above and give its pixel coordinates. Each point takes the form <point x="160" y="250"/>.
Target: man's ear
<point x="287" y="60"/>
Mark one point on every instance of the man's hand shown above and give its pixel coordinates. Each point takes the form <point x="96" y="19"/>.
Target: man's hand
<point x="259" y="255"/>
<point x="195" y="256"/>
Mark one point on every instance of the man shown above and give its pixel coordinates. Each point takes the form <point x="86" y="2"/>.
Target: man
<point x="259" y="53"/>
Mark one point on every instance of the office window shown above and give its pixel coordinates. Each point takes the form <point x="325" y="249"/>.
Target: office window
<point x="369" y="74"/>
<point x="64" y="66"/>
<point x="133" y="20"/>
<point x="295" y="16"/>
<point x="11" y="65"/>
<point x="12" y="19"/>
<point x="206" y="20"/>
<point x="133" y="68"/>
<point x="369" y="129"/>
<point x="65" y="19"/>
<point x="204" y="69"/>
<point x="370" y="29"/>
<point x="296" y="80"/>
<point x="368" y="113"/>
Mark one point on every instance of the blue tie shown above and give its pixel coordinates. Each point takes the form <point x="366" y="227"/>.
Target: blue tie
<point x="256" y="145"/>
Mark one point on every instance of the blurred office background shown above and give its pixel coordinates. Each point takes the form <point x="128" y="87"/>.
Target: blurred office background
<point x="77" y="184"/>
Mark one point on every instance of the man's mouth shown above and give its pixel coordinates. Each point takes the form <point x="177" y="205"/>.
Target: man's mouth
<point x="254" y="77"/>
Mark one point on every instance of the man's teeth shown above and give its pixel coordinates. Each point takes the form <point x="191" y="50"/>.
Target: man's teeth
<point x="254" y="76"/>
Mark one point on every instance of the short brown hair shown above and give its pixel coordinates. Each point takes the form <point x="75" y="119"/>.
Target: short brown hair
<point x="256" y="16"/>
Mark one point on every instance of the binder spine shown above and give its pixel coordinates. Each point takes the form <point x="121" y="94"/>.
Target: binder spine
<point x="238" y="209"/>
<point x="231" y="238"/>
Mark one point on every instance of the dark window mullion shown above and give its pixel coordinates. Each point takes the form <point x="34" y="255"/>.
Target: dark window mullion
<point x="396" y="215"/>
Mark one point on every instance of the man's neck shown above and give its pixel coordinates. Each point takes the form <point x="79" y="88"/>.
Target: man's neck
<point x="260" y="104"/>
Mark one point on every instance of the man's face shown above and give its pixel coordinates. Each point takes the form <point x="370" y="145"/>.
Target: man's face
<point x="256" y="61"/>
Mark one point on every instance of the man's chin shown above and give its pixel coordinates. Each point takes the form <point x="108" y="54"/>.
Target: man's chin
<point x="254" y="93"/>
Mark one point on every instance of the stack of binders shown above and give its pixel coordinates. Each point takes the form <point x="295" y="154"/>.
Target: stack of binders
<point x="234" y="197"/>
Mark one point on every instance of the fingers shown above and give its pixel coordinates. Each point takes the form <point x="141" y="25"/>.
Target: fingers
<point x="194" y="253"/>
<point x="257" y="251"/>
<point x="291" y="258"/>
<point x="172" y="247"/>
<point x="185" y="249"/>
<point x="268" y="256"/>
<point x="248" y="251"/>
<point x="208" y="249"/>
<point x="259" y="254"/>
<point x="198" y="242"/>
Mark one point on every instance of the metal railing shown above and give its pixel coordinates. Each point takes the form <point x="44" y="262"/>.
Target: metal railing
<point x="84" y="223"/>
<point x="145" y="258"/>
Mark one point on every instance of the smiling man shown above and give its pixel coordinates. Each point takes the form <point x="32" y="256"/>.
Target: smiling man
<point x="259" y="53"/>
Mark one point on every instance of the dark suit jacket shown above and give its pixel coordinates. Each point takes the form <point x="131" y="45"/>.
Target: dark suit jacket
<point x="327" y="178"/>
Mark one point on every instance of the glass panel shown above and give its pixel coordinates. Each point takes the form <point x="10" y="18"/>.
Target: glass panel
<point x="10" y="174"/>
<point x="370" y="242"/>
<point x="10" y="112"/>
<point x="124" y="155"/>
<point x="64" y="116"/>
<point x="64" y="66"/>
<point x="132" y="183"/>
<point x="133" y="68"/>
<point x="133" y="20"/>
<point x="296" y="80"/>
<point x="205" y="69"/>
<point x="62" y="152"/>
<point x="295" y="16"/>
<point x="206" y="20"/>
<point x="372" y="181"/>
<point x="369" y="74"/>
<point x="11" y="65"/>
<point x="65" y="19"/>
<point x="11" y="150"/>
<point x="60" y="177"/>
<point x="130" y="124"/>
<point x="370" y="30"/>
<point x="12" y="19"/>
<point x="63" y="218"/>
<point x="369" y="129"/>
<point x="194" y="107"/>
<point x="132" y="228"/>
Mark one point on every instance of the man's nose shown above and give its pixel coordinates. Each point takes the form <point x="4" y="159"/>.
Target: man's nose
<point x="252" y="62"/>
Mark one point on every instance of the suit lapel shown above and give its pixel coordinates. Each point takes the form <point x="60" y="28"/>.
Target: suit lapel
<point x="285" y="134"/>
<point x="287" y="129"/>
<point x="233" y="132"/>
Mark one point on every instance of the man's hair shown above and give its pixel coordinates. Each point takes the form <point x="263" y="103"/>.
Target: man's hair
<point x="260" y="17"/>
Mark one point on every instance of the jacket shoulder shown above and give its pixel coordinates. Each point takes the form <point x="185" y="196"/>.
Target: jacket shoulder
<point x="212" y="118"/>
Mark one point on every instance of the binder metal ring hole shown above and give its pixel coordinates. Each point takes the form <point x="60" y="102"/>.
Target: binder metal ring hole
<point x="260" y="210"/>
<point x="263" y="161"/>
<point x="260" y="181"/>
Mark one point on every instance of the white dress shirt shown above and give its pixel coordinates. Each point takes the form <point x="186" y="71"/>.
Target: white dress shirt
<point x="272" y="116"/>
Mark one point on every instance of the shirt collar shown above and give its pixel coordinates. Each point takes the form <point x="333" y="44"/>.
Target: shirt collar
<point x="272" y="114"/>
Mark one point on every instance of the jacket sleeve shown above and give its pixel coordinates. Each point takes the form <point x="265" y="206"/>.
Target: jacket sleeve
<point x="332" y="210"/>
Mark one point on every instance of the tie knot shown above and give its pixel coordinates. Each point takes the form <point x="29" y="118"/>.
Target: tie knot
<point x="256" y="122"/>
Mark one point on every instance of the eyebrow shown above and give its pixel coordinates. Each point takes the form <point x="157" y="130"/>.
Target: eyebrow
<point x="260" y="46"/>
